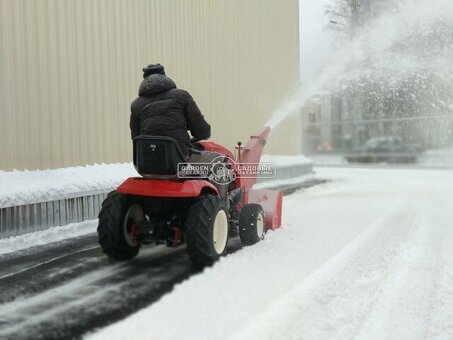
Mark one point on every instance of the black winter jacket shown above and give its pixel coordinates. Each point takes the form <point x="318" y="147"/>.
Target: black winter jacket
<point x="164" y="110"/>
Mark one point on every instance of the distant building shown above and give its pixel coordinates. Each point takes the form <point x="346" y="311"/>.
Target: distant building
<point x="316" y="125"/>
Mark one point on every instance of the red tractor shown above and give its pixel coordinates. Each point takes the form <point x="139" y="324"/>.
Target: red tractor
<point x="163" y="207"/>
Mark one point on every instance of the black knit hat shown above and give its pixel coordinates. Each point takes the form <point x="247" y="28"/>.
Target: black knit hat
<point x="153" y="69"/>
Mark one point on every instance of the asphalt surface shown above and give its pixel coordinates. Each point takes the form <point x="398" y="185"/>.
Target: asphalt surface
<point x="67" y="289"/>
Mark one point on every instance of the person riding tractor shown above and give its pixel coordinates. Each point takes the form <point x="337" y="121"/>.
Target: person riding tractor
<point x="162" y="109"/>
<point x="188" y="191"/>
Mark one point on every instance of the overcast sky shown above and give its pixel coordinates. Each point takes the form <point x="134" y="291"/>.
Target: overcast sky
<point x="314" y="43"/>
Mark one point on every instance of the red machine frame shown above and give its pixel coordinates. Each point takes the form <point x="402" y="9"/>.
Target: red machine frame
<point x="270" y="200"/>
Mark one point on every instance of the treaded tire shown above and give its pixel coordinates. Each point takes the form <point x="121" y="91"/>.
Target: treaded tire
<point x="251" y="224"/>
<point x="200" y="231"/>
<point x="111" y="227"/>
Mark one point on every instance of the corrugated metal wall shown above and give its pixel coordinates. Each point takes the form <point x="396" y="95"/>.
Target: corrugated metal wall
<point x="70" y="68"/>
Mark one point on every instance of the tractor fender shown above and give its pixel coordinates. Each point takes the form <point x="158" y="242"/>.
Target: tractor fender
<point x="139" y="186"/>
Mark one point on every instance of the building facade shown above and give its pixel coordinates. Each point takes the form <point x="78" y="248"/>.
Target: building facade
<point x="70" y="69"/>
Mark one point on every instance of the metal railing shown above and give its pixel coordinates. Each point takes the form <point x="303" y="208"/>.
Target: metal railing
<point x="28" y="218"/>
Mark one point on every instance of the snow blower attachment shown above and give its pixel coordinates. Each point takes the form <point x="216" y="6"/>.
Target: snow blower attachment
<point x="200" y="204"/>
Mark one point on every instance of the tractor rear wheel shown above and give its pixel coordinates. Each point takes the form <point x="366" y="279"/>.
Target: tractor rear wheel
<point x="118" y="217"/>
<point x="251" y="224"/>
<point x="207" y="230"/>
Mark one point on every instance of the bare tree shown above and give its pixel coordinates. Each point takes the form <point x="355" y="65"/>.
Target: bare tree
<point x="348" y="16"/>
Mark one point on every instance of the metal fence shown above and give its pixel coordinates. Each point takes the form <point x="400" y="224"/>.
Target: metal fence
<point x="23" y="219"/>
<point x="422" y="141"/>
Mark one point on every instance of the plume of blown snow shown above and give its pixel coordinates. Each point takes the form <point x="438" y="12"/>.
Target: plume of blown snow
<point x="394" y="47"/>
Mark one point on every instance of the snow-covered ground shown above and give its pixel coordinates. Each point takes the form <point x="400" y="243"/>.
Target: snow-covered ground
<point x="39" y="238"/>
<point x="367" y="255"/>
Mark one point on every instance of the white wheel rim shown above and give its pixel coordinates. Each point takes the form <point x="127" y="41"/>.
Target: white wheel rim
<point x="220" y="232"/>
<point x="260" y="225"/>
<point x="135" y="212"/>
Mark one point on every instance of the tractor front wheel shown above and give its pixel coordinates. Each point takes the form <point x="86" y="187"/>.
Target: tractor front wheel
<point x="207" y="230"/>
<point x="251" y="224"/>
<point x="118" y="221"/>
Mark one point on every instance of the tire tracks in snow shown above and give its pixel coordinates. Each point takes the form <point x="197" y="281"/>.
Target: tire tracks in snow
<point x="27" y="258"/>
<point x="95" y="298"/>
<point x="68" y="295"/>
<point x="366" y="289"/>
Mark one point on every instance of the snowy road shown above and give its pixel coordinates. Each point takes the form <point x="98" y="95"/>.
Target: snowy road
<point x="66" y="288"/>
<point x="368" y="255"/>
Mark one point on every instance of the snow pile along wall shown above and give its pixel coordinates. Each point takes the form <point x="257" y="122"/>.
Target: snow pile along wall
<point x="27" y="187"/>
<point x="37" y="200"/>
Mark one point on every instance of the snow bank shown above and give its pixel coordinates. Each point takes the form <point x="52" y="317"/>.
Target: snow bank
<point x="27" y="187"/>
<point x="286" y="160"/>
<point x="278" y="183"/>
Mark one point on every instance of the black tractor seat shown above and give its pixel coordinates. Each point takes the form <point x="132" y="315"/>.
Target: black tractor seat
<point x="157" y="157"/>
